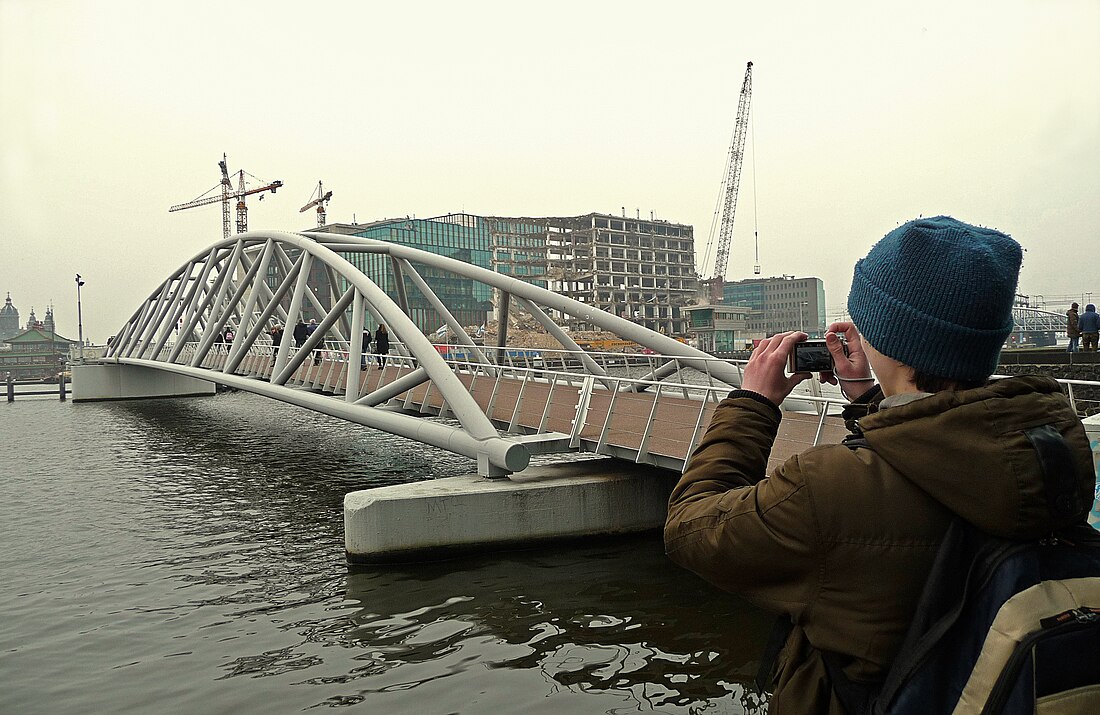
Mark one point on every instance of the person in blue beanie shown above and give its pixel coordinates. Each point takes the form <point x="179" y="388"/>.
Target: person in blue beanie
<point x="841" y="537"/>
<point x="1090" y="328"/>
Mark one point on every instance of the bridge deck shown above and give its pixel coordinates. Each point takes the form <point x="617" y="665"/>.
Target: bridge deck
<point x="630" y="425"/>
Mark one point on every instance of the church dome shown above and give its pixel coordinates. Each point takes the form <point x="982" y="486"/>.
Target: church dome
<point x="9" y="309"/>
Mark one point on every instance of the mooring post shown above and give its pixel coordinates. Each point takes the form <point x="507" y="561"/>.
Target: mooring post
<point x="11" y="389"/>
<point x="61" y="385"/>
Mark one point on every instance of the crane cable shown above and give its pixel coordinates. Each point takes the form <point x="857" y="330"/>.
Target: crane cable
<point x="755" y="213"/>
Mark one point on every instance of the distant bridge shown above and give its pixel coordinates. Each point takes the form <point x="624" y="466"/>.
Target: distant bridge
<point x="498" y="404"/>
<point x="1034" y="320"/>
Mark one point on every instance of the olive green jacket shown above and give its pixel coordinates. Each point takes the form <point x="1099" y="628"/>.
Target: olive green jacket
<point x="842" y="539"/>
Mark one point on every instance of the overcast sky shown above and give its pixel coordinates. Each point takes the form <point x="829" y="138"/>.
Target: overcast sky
<point x="864" y="115"/>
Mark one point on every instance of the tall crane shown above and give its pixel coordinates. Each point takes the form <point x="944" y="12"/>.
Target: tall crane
<point x="321" y="199"/>
<point x="227" y="192"/>
<point x="731" y="183"/>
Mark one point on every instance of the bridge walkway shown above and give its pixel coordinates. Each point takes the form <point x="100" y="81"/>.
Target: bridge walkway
<point x="573" y="412"/>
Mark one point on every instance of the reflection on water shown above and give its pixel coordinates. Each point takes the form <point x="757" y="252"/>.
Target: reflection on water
<point x="187" y="556"/>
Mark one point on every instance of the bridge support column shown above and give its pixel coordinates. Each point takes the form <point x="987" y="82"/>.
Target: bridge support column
<point x="434" y="519"/>
<point x="95" y="382"/>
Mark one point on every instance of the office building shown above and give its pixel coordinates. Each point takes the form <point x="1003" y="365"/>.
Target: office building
<point x="780" y="303"/>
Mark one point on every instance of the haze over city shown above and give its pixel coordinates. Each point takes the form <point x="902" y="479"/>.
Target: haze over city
<point x="864" y="115"/>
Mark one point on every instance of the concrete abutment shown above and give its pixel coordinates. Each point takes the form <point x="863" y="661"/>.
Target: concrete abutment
<point x="95" y="382"/>
<point x="443" y="517"/>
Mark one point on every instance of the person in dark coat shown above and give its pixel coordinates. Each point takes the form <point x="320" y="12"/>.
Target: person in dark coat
<point x="1073" y="329"/>
<point x="310" y="330"/>
<point x="301" y="332"/>
<point x="841" y="538"/>
<point x="276" y="340"/>
<point x="381" y="344"/>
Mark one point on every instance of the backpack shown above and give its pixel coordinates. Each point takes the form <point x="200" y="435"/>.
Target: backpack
<point x="1017" y="631"/>
<point x="1001" y="626"/>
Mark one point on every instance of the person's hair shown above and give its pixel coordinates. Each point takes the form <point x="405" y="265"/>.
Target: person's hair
<point x="935" y="383"/>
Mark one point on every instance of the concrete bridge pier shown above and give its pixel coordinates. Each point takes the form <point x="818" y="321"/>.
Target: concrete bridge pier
<point x="95" y="382"/>
<point x="442" y="517"/>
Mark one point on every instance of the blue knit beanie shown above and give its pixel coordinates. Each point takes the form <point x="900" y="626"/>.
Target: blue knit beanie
<point x="936" y="294"/>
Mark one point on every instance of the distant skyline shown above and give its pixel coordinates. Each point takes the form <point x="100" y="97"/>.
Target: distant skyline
<point x="864" y="115"/>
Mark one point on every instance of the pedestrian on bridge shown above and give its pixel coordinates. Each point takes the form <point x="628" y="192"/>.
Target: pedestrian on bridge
<point x="1073" y="329"/>
<point x="276" y="340"/>
<point x="840" y="539"/>
<point x="310" y="330"/>
<point x="301" y="332"/>
<point x="381" y="344"/>
<point x="1090" y="328"/>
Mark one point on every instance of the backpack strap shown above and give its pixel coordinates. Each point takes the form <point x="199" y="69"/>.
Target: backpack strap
<point x="1059" y="472"/>
<point x="948" y="589"/>
<point x="765" y="674"/>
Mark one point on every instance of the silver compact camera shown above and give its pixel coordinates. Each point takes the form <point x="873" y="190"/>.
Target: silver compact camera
<point x="811" y="356"/>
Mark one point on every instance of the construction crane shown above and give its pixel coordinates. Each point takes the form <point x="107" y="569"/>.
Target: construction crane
<point x="321" y="199"/>
<point x="728" y="196"/>
<point x="227" y="193"/>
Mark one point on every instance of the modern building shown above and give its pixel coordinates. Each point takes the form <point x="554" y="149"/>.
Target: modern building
<point x="780" y="303"/>
<point x="463" y="237"/>
<point x="639" y="269"/>
<point x="720" y="329"/>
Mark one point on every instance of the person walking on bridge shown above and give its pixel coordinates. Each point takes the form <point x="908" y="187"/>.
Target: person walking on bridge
<point x="301" y="332"/>
<point x="310" y="330"/>
<point x="1073" y="329"/>
<point x="1090" y="328"/>
<point x="381" y="344"/>
<point x="841" y="538"/>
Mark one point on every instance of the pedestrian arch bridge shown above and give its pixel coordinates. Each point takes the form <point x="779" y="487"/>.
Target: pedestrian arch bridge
<point x="498" y="404"/>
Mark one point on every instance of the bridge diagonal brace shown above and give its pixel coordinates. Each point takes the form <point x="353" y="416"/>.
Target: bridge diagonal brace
<point x="452" y="323"/>
<point x="257" y="268"/>
<point x="269" y="310"/>
<point x="562" y="337"/>
<point x="311" y="342"/>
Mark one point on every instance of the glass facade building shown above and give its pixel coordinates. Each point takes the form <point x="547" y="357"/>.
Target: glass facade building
<point x="780" y="303"/>
<point x="459" y="236"/>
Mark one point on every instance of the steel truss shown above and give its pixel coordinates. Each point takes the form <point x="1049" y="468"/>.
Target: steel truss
<point x="249" y="281"/>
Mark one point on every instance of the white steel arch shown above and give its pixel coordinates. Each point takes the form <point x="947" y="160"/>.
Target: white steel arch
<point x="251" y="280"/>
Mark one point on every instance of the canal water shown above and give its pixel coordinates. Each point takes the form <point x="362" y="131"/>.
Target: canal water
<point x="186" y="556"/>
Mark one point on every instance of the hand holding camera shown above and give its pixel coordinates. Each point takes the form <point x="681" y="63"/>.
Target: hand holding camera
<point x="838" y="359"/>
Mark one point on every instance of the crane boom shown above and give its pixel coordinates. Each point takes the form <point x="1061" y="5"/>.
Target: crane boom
<point x="732" y="183"/>
<point x="323" y="198"/>
<point x="206" y="200"/>
<point x="226" y="193"/>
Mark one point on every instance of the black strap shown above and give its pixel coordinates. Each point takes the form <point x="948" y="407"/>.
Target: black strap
<point x="765" y="674"/>
<point x="856" y="697"/>
<point x="1059" y="472"/>
<point x="965" y="561"/>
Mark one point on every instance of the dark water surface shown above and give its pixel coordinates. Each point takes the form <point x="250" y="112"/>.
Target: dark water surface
<point x="186" y="556"/>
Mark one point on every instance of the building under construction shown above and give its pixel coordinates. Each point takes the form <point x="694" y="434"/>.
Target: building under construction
<point x="643" y="270"/>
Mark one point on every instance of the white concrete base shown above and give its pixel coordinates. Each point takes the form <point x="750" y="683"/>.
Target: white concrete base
<point x="432" y="519"/>
<point x="93" y="382"/>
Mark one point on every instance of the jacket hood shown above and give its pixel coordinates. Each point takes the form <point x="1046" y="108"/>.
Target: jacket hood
<point x="979" y="457"/>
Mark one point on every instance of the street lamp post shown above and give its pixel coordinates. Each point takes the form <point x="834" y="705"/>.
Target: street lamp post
<point x="79" y="318"/>
<point x="801" y="323"/>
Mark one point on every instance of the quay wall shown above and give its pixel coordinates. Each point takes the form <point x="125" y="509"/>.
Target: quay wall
<point x="1086" y="397"/>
